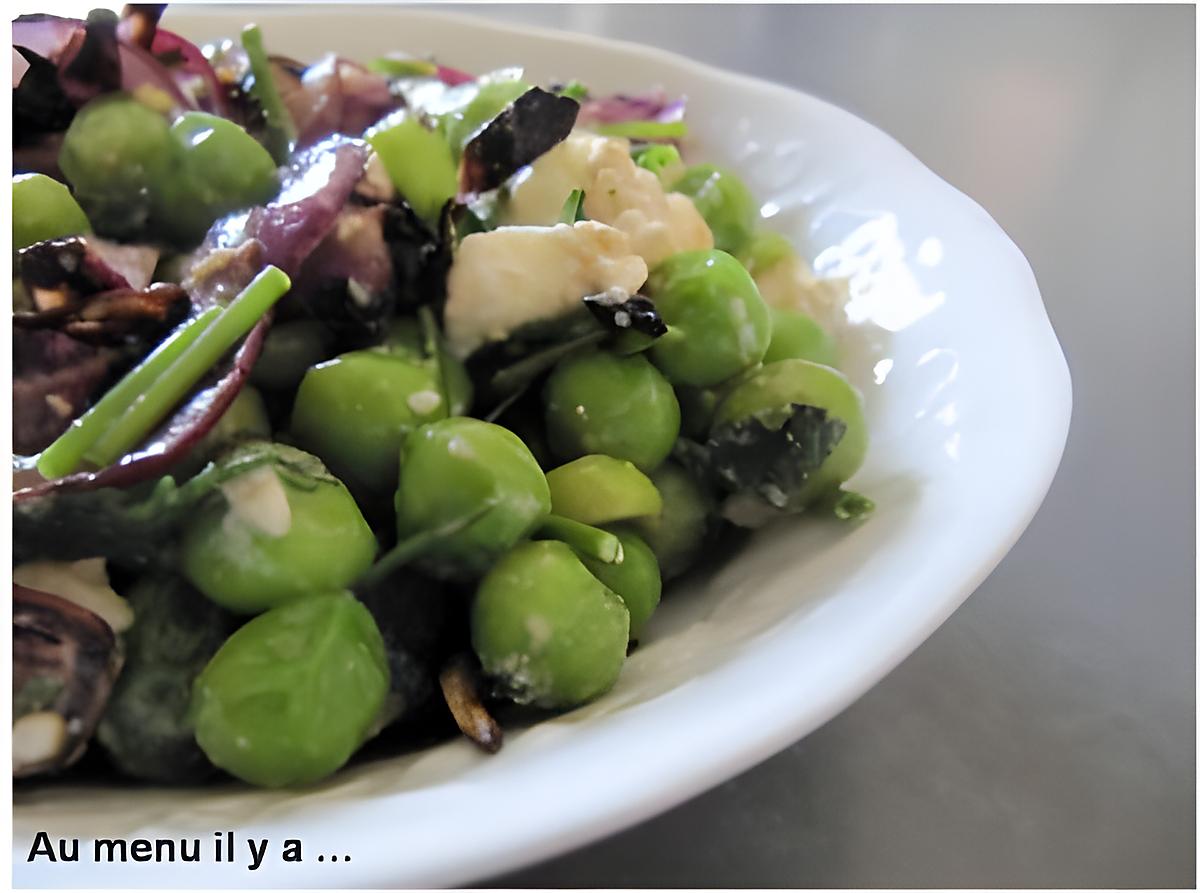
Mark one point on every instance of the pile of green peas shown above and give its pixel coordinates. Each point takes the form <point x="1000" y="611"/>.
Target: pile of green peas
<point x="550" y="622"/>
<point x="562" y="561"/>
<point x="135" y="173"/>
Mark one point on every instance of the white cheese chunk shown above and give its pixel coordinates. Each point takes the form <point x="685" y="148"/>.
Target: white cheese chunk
<point x="514" y="275"/>
<point x="83" y="582"/>
<point x="37" y="738"/>
<point x="616" y="192"/>
<point x="258" y="500"/>
<point x="790" y="284"/>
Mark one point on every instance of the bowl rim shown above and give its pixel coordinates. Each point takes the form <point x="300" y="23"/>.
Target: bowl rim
<point x="779" y="720"/>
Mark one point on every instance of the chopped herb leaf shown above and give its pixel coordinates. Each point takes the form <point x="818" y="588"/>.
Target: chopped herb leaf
<point x="748" y="458"/>
<point x="851" y="506"/>
<point x="572" y="210"/>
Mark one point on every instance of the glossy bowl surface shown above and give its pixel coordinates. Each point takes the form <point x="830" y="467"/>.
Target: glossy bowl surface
<point x="968" y="399"/>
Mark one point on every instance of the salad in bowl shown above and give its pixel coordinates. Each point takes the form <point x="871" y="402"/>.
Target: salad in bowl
<point x="356" y="397"/>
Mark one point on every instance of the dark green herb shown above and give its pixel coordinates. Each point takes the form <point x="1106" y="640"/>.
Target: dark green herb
<point x="772" y="464"/>
<point x="145" y="729"/>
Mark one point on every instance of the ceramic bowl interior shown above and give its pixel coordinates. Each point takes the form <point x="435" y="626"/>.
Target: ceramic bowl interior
<point x="968" y="400"/>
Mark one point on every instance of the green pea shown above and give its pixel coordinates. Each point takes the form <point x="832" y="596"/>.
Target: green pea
<point x="769" y="394"/>
<point x="43" y="209"/>
<point x="288" y="352"/>
<point x="723" y="201"/>
<point x="115" y="155"/>
<point x="618" y="406"/>
<point x="222" y="169"/>
<point x="418" y="160"/>
<point x="137" y="176"/>
<point x="490" y="101"/>
<point x="764" y="250"/>
<point x="355" y="411"/>
<point x="449" y="469"/>
<point x="546" y="629"/>
<point x="662" y="160"/>
<point x="600" y="490"/>
<point x="797" y="336"/>
<point x="636" y="579"/>
<point x="248" y="552"/>
<point x="717" y="323"/>
<point x="677" y="533"/>
<point x="292" y="694"/>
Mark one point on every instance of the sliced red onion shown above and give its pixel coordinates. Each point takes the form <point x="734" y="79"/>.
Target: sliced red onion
<point x="140" y="69"/>
<point x="452" y="77"/>
<point x="91" y="62"/>
<point x="366" y="97"/>
<point x="335" y="95"/>
<point x="89" y="263"/>
<point x="315" y="188"/>
<point x="211" y="97"/>
<point x="133" y="263"/>
<point x="653" y="106"/>
<point x="58" y="641"/>
<point x="354" y="249"/>
<point x="54" y="377"/>
<point x="315" y="101"/>
<point x="46" y="35"/>
<point x="59" y="39"/>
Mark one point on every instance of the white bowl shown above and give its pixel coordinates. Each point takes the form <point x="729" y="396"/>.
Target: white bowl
<point x="968" y="400"/>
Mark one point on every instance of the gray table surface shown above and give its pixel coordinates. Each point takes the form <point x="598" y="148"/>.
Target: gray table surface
<point x="1045" y="736"/>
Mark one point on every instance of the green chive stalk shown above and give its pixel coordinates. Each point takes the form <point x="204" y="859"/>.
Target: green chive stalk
<point x="153" y="404"/>
<point x="64" y="455"/>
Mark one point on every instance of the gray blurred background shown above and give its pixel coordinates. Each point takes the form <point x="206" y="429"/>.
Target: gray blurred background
<point x="1045" y="736"/>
